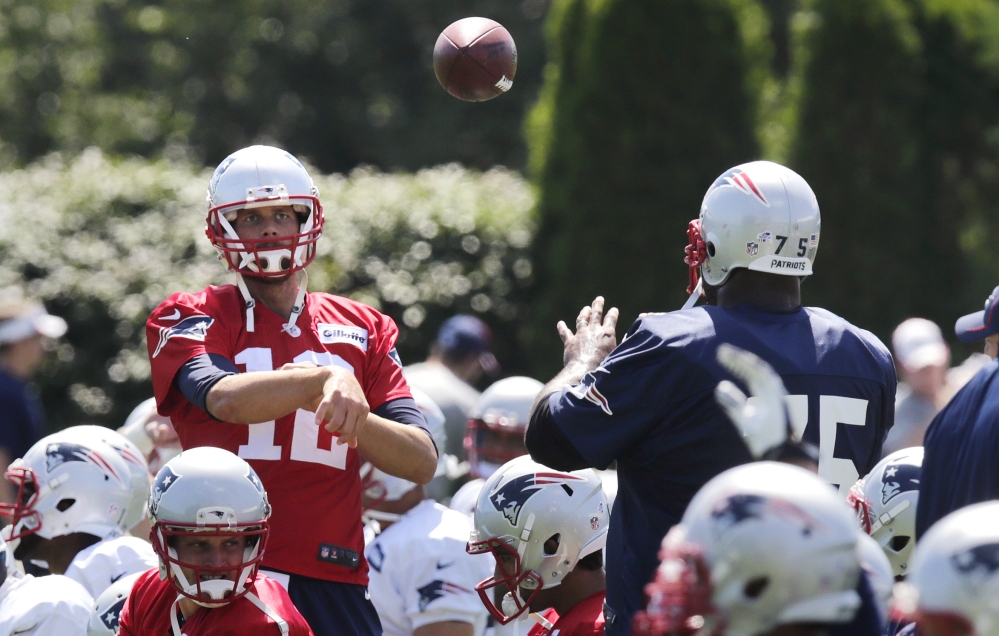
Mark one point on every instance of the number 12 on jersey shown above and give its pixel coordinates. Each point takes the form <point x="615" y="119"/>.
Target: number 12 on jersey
<point x="305" y="437"/>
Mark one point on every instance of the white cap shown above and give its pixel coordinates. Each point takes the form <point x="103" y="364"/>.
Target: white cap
<point x="918" y="343"/>
<point x="31" y="321"/>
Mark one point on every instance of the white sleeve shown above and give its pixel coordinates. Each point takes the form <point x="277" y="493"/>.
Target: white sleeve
<point x="441" y="587"/>
<point x="49" y="606"/>
<point x="110" y="561"/>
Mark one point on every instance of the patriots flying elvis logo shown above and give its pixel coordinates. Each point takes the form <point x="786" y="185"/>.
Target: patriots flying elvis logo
<point x="193" y="328"/>
<point x="737" y="509"/>
<point x="899" y="478"/>
<point x="981" y="559"/>
<point x="739" y="179"/>
<point x="60" y="453"/>
<point x="510" y="499"/>
<point x="164" y="480"/>
<point x="111" y="617"/>
<point x="436" y="589"/>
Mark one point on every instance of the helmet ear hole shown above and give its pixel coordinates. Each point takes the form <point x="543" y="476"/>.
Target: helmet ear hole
<point x="755" y="587"/>
<point x="65" y="505"/>
<point x="898" y="543"/>
<point x="551" y="545"/>
<point x="711" y="249"/>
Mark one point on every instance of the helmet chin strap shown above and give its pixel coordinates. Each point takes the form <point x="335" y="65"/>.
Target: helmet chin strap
<point x="694" y="295"/>
<point x="289" y="327"/>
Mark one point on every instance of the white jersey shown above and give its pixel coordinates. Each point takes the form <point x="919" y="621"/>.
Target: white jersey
<point x="45" y="606"/>
<point x="420" y="573"/>
<point x="103" y="563"/>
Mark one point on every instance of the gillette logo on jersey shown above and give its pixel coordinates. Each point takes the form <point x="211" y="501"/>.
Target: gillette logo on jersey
<point x="740" y="179"/>
<point x="192" y="328"/>
<point x="510" y="499"/>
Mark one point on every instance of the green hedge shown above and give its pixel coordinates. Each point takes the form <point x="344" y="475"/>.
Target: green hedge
<point x="645" y="103"/>
<point x="103" y="241"/>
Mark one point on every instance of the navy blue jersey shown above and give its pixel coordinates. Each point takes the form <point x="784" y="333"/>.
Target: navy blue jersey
<point x="651" y="406"/>
<point x="961" y="447"/>
<point x="22" y="420"/>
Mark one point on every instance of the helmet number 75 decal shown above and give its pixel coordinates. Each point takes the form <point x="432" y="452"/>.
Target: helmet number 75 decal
<point x="833" y="411"/>
<point x="802" y="245"/>
<point x="305" y="438"/>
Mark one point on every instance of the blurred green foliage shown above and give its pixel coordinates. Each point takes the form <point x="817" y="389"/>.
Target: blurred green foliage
<point x="102" y="241"/>
<point x="899" y="138"/>
<point x="629" y="131"/>
<point x="342" y="82"/>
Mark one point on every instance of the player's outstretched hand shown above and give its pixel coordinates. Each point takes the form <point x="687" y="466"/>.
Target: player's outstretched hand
<point x="595" y="335"/>
<point x="761" y="418"/>
<point x="344" y="405"/>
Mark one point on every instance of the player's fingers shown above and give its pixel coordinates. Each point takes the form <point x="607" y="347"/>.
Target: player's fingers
<point x="732" y="400"/>
<point x="353" y="420"/>
<point x="563" y="331"/>
<point x="582" y="318"/>
<point x="322" y="410"/>
<point x="597" y="311"/>
<point x="336" y="415"/>
<point x="610" y="320"/>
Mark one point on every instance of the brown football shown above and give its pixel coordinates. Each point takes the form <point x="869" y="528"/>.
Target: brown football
<point x="475" y="59"/>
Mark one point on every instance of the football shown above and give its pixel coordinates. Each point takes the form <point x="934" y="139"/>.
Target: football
<point x="475" y="59"/>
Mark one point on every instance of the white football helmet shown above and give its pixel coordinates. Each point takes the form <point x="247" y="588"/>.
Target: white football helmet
<point x="106" y="612"/>
<point x="953" y="584"/>
<point x="878" y="569"/>
<point x="68" y="485"/>
<point x="212" y="491"/>
<point x="255" y="177"/>
<point x="523" y="506"/>
<point x="379" y="486"/>
<point x="496" y="425"/>
<point x="138" y="469"/>
<point x="760" y="546"/>
<point x="759" y="215"/>
<point x="885" y="501"/>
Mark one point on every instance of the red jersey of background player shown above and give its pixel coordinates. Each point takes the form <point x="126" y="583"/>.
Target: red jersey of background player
<point x="147" y="612"/>
<point x="313" y="484"/>
<point x="585" y="619"/>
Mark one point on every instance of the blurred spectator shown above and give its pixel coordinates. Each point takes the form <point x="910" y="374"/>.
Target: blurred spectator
<point x="456" y="361"/>
<point x="922" y="358"/>
<point x="23" y="327"/>
<point x="962" y="442"/>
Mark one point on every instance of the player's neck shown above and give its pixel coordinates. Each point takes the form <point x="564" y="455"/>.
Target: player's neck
<point x="577" y="586"/>
<point x="188" y="608"/>
<point x="769" y="292"/>
<point x="278" y="295"/>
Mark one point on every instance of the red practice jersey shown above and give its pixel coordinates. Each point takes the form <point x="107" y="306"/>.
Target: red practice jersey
<point x="147" y="612"/>
<point x="313" y="484"/>
<point x="585" y="619"/>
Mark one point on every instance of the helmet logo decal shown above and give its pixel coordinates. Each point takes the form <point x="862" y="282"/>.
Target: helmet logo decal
<point x="219" y="172"/>
<point x="192" y="328"/>
<point x="899" y="478"/>
<point x="164" y="480"/>
<point x="752" y="248"/>
<point x="437" y="589"/>
<point x="737" y="178"/>
<point x="252" y="476"/>
<point x="510" y="499"/>
<point x="111" y="617"/>
<point x="981" y="559"/>
<point x="736" y="509"/>
<point x="60" y="453"/>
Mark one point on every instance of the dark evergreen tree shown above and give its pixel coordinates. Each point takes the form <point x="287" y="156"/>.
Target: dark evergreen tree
<point x="645" y="103"/>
